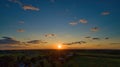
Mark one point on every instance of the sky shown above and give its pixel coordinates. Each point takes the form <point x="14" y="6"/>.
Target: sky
<point x="74" y="24"/>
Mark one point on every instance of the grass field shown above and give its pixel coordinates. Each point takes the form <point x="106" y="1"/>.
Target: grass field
<point x="63" y="58"/>
<point x="87" y="61"/>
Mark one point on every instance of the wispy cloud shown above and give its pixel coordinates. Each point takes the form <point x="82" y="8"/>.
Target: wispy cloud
<point x="106" y="38"/>
<point x="21" y="22"/>
<point x="96" y="38"/>
<point x="105" y="13"/>
<point x="115" y="43"/>
<point x="77" y="42"/>
<point x="20" y="30"/>
<point x="83" y="21"/>
<point x="73" y="23"/>
<point x="9" y="40"/>
<point x="87" y="37"/>
<point x="30" y="7"/>
<point x="36" y="42"/>
<point x="25" y="7"/>
<point x="50" y="35"/>
<point x="16" y="1"/>
<point x="94" y="29"/>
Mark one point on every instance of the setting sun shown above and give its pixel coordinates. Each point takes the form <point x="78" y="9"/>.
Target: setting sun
<point x="59" y="46"/>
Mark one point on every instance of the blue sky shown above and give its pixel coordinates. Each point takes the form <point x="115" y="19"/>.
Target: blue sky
<point x="52" y="22"/>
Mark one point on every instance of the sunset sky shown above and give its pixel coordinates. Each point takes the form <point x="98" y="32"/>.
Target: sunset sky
<point x="44" y="24"/>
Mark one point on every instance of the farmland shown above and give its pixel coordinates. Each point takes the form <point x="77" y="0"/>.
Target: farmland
<point x="60" y="58"/>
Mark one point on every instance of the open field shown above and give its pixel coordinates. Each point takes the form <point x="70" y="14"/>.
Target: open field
<point x="60" y="58"/>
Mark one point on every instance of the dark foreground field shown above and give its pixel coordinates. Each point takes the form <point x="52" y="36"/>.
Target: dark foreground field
<point x="60" y="58"/>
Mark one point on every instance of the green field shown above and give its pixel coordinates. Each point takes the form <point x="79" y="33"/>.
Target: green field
<point x="86" y="61"/>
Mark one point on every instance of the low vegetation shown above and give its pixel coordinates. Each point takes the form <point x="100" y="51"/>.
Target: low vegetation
<point x="58" y="59"/>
